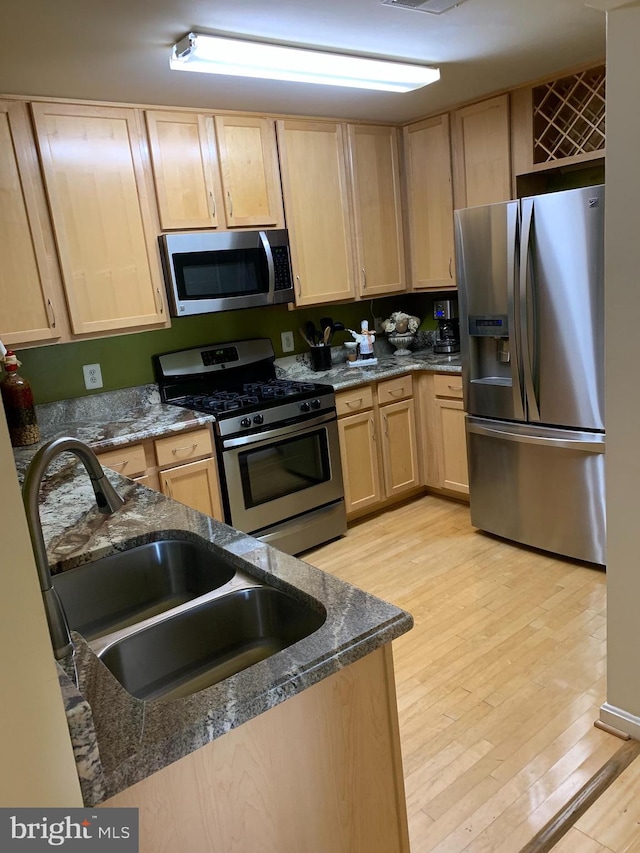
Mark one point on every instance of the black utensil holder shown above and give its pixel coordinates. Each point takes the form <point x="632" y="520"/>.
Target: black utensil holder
<point x="320" y="357"/>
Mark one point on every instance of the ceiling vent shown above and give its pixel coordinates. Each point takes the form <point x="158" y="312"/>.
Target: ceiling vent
<point x="433" y="7"/>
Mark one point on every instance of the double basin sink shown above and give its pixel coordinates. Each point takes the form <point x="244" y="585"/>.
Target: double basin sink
<point x="172" y="617"/>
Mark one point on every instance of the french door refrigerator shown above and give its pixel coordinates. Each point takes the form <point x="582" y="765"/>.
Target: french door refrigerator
<point x="531" y="294"/>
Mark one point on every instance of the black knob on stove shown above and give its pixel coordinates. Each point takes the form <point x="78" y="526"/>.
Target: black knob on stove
<point x="245" y="422"/>
<point x="315" y="404"/>
<point x="305" y="407"/>
<point x="258" y="419"/>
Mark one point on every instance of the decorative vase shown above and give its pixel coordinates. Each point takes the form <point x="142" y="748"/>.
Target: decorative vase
<point x="402" y="342"/>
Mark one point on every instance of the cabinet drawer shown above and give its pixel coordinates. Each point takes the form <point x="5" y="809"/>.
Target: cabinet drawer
<point x="127" y="461"/>
<point x="448" y="385"/>
<point x="355" y="400"/>
<point x="398" y="388"/>
<point x="183" y="447"/>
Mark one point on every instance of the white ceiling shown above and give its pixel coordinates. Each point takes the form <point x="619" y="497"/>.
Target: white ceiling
<point x="118" y="50"/>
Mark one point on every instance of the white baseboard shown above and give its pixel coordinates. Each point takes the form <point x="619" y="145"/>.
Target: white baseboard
<point x="620" y="719"/>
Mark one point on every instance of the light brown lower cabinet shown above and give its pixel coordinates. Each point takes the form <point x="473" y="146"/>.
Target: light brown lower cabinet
<point x="442" y="431"/>
<point x="194" y="484"/>
<point x="181" y="466"/>
<point x="320" y="772"/>
<point x="378" y="443"/>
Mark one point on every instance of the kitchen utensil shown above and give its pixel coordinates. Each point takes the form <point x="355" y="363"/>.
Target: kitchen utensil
<point x="324" y="322"/>
<point x="304" y="337"/>
<point x="327" y="334"/>
<point x="311" y="331"/>
<point x="336" y="327"/>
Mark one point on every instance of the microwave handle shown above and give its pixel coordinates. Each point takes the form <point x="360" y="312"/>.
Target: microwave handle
<point x="272" y="273"/>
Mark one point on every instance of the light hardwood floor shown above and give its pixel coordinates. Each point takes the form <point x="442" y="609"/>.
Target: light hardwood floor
<point x="499" y="682"/>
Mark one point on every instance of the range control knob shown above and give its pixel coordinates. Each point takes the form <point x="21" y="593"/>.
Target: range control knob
<point x="258" y="419"/>
<point x="315" y="404"/>
<point x="245" y="422"/>
<point x="305" y="407"/>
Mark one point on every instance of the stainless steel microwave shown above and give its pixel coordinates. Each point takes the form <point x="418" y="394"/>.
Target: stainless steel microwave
<point x="210" y="271"/>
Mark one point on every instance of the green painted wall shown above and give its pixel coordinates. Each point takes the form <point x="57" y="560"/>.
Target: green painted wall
<point x="55" y="371"/>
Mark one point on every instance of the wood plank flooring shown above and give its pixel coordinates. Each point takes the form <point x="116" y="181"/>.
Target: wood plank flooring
<point x="499" y="682"/>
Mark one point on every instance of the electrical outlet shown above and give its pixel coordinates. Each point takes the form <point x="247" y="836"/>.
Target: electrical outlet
<point x="287" y="341"/>
<point x="92" y="376"/>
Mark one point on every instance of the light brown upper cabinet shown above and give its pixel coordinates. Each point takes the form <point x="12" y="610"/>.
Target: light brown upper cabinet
<point x="250" y="174"/>
<point x="317" y="204"/>
<point x="105" y="228"/>
<point x="481" y="153"/>
<point x="185" y="169"/>
<point x="377" y="209"/>
<point x="429" y="193"/>
<point x="31" y="306"/>
<point x="215" y="171"/>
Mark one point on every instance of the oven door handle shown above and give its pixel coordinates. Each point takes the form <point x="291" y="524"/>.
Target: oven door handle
<point x="272" y="272"/>
<point x="267" y="435"/>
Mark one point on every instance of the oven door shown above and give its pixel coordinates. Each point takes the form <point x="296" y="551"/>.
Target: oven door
<point x="277" y="475"/>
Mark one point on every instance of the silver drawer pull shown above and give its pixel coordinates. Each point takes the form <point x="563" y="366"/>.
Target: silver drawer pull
<point x="395" y="392"/>
<point x="177" y="450"/>
<point x="352" y="403"/>
<point x="455" y="387"/>
<point x="122" y="464"/>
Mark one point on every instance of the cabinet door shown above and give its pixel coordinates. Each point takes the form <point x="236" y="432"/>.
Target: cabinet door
<point x="428" y="164"/>
<point x="453" y="469"/>
<point x="185" y="169"/>
<point x="250" y="173"/>
<point x="196" y="485"/>
<point x="399" y="448"/>
<point x="482" y="155"/>
<point x="104" y="228"/>
<point x="359" y="455"/>
<point x="28" y="310"/>
<point x="377" y="209"/>
<point x="316" y="199"/>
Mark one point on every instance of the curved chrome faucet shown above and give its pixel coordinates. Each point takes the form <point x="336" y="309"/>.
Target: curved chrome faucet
<point x="108" y="501"/>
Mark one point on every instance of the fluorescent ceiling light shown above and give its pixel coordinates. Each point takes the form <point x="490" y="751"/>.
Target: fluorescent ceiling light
<point x="238" y="58"/>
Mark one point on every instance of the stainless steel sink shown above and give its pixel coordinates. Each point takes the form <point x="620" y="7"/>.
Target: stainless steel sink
<point x="134" y="585"/>
<point x="204" y="644"/>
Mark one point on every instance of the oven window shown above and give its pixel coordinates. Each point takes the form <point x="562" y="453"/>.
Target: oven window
<point x="284" y="467"/>
<point x="225" y="272"/>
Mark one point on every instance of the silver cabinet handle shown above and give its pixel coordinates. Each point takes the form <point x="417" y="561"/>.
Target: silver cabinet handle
<point x="213" y="204"/>
<point x="177" y="450"/>
<point x="396" y="392"/>
<point x="352" y="403"/>
<point x="159" y="302"/>
<point x="299" y="285"/>
<point x="386" y="425"/>
<point x="450" y="270"/>
<point x="364" y="279"/>
<point x="230" y="204"/>
<point x="455" y="387"/>
<point x="372" y="428"/>
<point x="52" y="313"/>
<point x="118" y="465"/>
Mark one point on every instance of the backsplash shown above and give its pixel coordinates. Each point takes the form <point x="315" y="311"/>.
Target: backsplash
<point x="55" y="371"/>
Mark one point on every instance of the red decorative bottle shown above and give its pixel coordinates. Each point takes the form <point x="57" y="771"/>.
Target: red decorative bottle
<point x="18" y="404"/>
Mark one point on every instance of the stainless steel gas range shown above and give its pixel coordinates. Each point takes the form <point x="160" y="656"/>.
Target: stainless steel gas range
<point x="276" y="440"/>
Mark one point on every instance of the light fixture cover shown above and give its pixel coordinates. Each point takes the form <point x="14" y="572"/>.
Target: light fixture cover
<point x="241" y="58"/>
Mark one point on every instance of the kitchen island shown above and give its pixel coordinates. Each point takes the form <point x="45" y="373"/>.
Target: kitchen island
<point x="327" y="759"/>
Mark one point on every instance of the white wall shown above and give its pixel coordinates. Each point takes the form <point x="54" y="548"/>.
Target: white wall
<point x="622" y="289"/>
<point x="37" y="766"/>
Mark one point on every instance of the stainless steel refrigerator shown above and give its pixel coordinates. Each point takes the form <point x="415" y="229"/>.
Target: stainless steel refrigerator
<point x="531" y="301"/>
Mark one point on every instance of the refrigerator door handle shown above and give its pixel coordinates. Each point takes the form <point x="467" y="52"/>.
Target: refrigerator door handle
<point x="525" y="248"/>
<point x="566" y="443"/>
<point x="512" y="296"/>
